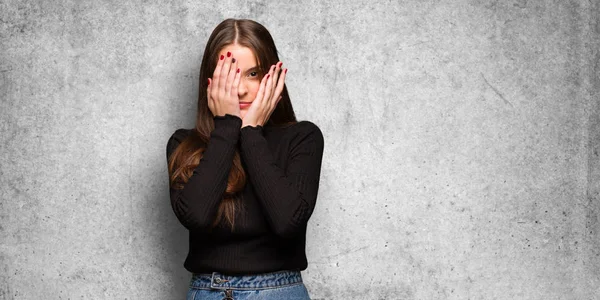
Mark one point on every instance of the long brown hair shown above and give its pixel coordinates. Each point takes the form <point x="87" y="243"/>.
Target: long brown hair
<point x="186" y="157"/>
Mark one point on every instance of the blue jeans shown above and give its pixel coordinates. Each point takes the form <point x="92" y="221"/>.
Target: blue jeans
<point x="276" y="285"/>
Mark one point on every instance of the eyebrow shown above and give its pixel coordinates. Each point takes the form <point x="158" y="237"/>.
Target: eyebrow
<point x="253" y="69"/>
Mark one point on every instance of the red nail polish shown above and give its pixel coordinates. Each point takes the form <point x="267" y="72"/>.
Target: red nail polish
<point x="268" y="75"/>
<point x="280" y="63"/>
<point x="228" y="54"/>
<point x="238" y="70"/>
<point x="222" y="56"/>
<point x="233" y="60"/>
<point x="285" y="71"/>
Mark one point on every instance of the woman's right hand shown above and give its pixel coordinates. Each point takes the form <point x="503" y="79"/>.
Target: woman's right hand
<point x="222" y="90"/>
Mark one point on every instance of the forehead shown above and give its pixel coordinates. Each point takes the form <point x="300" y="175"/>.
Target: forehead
<point x="244" y="55"/>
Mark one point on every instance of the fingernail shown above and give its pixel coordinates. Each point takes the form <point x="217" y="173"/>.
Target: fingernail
<point x="268" y="75"/>
<point x="285" y="71"/>
<point x="222" y="56"/>
<point x="228" y="54"/>
<point x="233" y="60"/>
<point x="209" y="81"/>
<point x="238" y="70"/>
<point x="279" y="64"/>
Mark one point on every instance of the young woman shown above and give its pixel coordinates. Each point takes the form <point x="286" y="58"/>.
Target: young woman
<point x="244" y="180"/>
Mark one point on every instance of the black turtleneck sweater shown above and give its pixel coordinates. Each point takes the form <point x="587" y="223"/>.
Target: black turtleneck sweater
<point x="282" y="165"/>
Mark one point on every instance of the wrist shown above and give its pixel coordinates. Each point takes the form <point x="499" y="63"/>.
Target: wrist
<point x="228" y="116"/>
<point x="228" y="125"/>
<point x="249" y="134"/>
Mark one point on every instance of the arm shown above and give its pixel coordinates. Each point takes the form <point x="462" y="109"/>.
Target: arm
<point x="197" y="203"/>
<point x="289" y="197"/>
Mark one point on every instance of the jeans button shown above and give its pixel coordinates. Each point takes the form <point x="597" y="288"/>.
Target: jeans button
<point x="218" y="280"/>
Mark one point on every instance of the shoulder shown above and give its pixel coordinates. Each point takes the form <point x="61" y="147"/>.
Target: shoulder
<point x="176" y="138"/>
<point x="180" y="134"/>
<point x="306" y="133"/>
<point x="307" y="127"/>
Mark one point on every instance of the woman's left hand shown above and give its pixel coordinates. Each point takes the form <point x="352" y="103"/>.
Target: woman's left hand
<point x="267" y="97"/>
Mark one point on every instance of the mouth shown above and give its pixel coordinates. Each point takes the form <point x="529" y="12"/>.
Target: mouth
<point x="245" y="104"/>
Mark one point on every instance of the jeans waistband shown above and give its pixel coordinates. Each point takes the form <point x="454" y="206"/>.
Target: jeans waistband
<point x="249" y="282"/>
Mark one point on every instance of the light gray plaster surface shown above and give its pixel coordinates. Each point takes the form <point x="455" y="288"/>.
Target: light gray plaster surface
<point x="461" y="144"/>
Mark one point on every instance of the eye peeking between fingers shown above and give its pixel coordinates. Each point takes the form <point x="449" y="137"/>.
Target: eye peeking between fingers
<point x="251" y="73"/>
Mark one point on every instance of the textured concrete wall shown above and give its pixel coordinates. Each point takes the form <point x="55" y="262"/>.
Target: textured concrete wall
<point x="462" y="145"/>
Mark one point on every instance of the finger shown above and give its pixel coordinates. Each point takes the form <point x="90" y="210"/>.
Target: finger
<point x="276" y="71"/>
<point x="280" y="83"/>
<point x="208" y="97"/>
<point x="236" y="83"/>
<point x="217" y="71"/>
<point x="225" y="71"/>
<point x="209" y="90"/>
<point x="231" y="76"/>
<point x="213" y="90"/>
<point x="274" y="81"/>
<point x="268" y="87"/>
<point x="261" y="90"/>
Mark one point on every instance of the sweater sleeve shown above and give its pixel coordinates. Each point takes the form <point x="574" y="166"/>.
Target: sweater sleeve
<point x="197" y="203"/>
<point x="289" y="197"/>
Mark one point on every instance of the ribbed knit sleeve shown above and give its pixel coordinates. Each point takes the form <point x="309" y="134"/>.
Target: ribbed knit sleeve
<point x="289" y="197"/>
<point x="197" y="203"/>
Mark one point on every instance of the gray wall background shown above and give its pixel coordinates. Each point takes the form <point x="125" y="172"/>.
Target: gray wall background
<point x="461" y="145"/>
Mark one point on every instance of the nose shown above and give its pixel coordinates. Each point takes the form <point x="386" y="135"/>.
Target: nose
<point x="242" y="89"/>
